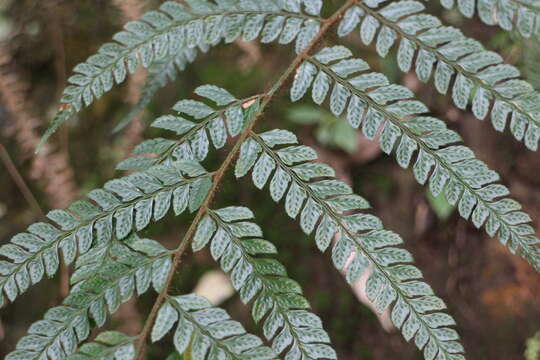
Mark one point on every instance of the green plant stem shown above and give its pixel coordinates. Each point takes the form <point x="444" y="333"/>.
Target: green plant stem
<point x="220" y="173"/>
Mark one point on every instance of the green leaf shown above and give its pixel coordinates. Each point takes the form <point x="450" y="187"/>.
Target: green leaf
<point x="450" y="170"/>
<point x="440" y="206"/>
<point x="261" y="278"/>
<point x="199" y="192"/>
<point x="204" y="232"/>
<point x="104" y="278"/>
<point x="165" y="320"/>
<point x="203" y="330"/>
<point x="122" y="206"/>
<point x="480" y="77"/>
<point x="108" y="344"/>
<point x="361" y="244"/>
<point x="164" y="41"/>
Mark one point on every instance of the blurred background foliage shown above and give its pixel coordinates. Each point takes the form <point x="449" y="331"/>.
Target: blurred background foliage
<point x="492" y="295"/>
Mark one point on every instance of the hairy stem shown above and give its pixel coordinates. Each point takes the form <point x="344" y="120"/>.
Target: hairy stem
<point x="220" y="173"/>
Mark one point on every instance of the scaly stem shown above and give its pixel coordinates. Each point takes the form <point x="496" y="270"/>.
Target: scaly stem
<point x="220" y="173"/>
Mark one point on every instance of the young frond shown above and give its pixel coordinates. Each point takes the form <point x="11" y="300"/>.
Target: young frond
<point x="371" y="103"/>
<point x="120" y="207"/>
<point x="109" y="345"/>
<point x="237" y="243"/>
<point x="522" y="16"/>
<point x="175" y="28"/>
<point x="361" y="243"/>
<point x="480" y="76"/>
<point x="104" y="279"/>
<point x="206" y="332"/>
<point x="207" y="124"/>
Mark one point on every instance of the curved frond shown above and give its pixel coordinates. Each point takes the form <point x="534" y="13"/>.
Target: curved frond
<point x="206" y="332"/>
<point x="120" y="207"/>
<point x="371" y="103"/>
<point x="329" y="209"/>
<point x="236" y="242"/>
<point x="109" y="345"/>
<point x="522" y="16"/>
<point x="104" y="279"/>
<point x="175" y="28"/>
<point x="205" y="125"/>
<point x="479" y="76"/>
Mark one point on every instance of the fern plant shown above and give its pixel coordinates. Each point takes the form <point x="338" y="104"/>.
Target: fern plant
<point x="111" y="263"/>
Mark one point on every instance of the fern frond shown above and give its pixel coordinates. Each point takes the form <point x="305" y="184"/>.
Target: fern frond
<point x="480" y="76"/>
<point x="206" y="123"/>
<point x="324" y="207"/>
<point x="125" y="267"/>
<point x="175" y="28"/>
<point x="109" y="345"/>
<point x="372" y="103"/>
<point x="159" y="75"/>
<point x="120" y="207"/>
<point x="206" y="332"/>
<point x="236" y="242"/>
<point x="522" y="16"/>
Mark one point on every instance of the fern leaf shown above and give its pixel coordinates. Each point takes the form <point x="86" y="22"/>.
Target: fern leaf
<point x="449" y="169"/>
<point x="481" y="77"/>
<point x="325" y="207"/>
<point x="511" y="15"/>
<point x="206" y="332"/>
<point x="120" y="270"/>
<point x="159" y="75"/>
<point x="122" y="206"/>
<point x="172" y="30"/>
<point x="109" y="345"/>
<point x="207" y="125"/>
<point x="236" y="243"/>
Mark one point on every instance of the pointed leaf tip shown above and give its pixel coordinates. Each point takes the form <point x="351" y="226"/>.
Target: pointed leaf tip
<point x="65" y="112"/>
